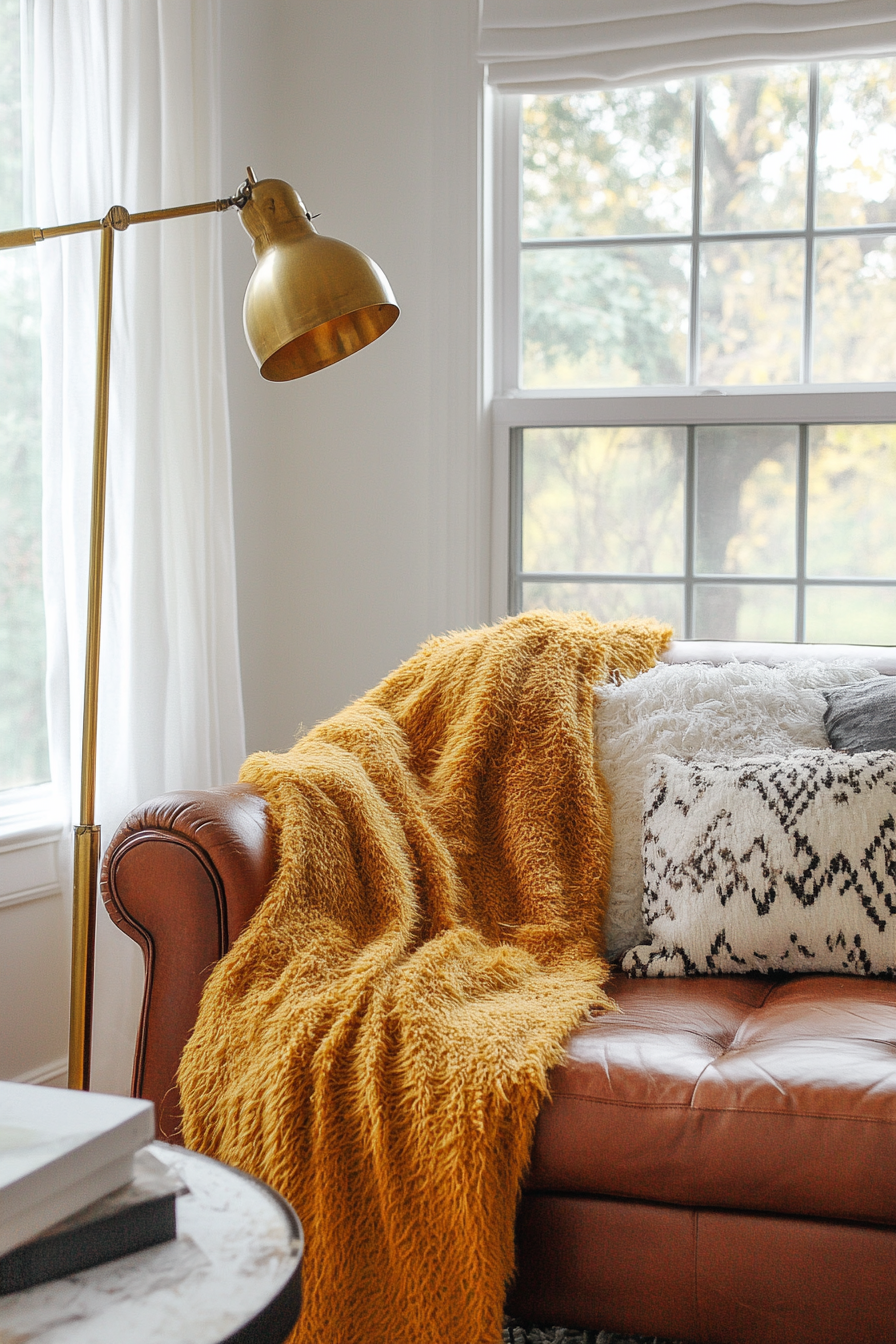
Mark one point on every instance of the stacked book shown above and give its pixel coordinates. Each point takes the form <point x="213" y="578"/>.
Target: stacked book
<point x="77" y="1185"/>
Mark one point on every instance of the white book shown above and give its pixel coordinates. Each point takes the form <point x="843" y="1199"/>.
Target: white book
<point x="60" y="1151"/>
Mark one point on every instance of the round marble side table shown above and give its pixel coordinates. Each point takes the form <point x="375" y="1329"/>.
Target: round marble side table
<point x="232" y="1275"/>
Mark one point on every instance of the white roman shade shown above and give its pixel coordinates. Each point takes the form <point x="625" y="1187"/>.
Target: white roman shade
<point x="549" y="46"/>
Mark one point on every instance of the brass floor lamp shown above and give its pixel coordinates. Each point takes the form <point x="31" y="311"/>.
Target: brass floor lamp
<point x="311" y="301"/>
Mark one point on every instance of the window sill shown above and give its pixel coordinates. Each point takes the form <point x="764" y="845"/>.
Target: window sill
<point x="28" y="816"/>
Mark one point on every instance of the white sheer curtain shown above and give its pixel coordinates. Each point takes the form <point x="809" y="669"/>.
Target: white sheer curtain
<point x="126" y="99"/>
<point x="548" y="46"/>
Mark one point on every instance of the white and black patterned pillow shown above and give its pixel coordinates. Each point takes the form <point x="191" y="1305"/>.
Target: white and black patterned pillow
<point x="770" y="864"/>
<point x="694" y="710"/>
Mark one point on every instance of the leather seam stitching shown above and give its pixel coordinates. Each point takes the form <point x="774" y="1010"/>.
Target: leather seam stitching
<point x="719" y="1110"/>
<point x="697" y="1035"/>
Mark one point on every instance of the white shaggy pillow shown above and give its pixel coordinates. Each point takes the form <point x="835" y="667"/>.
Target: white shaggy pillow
<point x="770" y="864"/>
<point x="694" y="709"/>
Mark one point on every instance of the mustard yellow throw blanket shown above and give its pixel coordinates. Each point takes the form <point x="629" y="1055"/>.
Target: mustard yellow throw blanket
<point x="377" y="1043"/>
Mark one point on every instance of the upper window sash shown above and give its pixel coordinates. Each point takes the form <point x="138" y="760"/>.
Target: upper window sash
<point x="509" y="246"/>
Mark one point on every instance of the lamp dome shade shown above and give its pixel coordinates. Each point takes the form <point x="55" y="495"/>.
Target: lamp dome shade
<point x="311" y="300"/>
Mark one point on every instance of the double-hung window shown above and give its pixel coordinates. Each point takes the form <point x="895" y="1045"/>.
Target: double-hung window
<point x="696" y="352"/>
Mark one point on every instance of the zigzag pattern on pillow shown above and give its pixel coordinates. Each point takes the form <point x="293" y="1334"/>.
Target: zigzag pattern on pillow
<point x="770" y="864"/>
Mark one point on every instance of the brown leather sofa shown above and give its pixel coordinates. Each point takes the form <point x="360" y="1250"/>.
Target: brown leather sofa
<point x="718" y="1161"/>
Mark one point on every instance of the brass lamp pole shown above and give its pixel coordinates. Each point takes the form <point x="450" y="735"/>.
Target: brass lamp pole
<point x="311" y="301"/>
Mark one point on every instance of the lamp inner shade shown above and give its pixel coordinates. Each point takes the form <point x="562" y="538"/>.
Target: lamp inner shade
<point x="329" y="342"/>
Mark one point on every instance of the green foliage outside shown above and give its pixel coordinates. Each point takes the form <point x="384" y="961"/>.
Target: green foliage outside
<point x="755" y="150"/>
<point x="751" y="312"/>
<point x="746" y="499"/>
<point x="606" y="164"/>
<point x="23" y="729"/>
<point x="852" y="502"/>
<point x="611" y="317"/>
<point x="855" y="292"/>
<point x="602" y="165"/>
<point x="604" y="500"/>
<point x="857" y="143"/>
<point x="620" y="163"/>
<point x="611" y="501"/>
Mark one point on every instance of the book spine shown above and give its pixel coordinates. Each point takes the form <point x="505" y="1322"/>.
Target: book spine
<point x="56" y="1257"/>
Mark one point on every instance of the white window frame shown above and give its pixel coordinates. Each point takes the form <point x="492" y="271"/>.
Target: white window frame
<point x="514" y="409"/>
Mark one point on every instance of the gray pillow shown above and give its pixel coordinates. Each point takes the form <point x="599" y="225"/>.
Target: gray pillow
<point x="862" y="717"/>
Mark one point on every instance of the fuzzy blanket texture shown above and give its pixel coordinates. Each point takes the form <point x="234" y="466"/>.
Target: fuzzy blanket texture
<point x="377" y="1043"/>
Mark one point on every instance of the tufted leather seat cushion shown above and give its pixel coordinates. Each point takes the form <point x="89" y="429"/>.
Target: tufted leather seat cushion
<point x="745" y="1092"/>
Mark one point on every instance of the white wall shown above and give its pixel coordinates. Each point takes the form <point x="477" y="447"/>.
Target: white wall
<point x="361" y="492"/>
<point x="35" y="921"/>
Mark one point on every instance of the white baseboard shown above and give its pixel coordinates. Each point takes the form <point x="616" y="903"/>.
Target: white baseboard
<point x="31" y="894"/>
<point x="53" y="1074"/>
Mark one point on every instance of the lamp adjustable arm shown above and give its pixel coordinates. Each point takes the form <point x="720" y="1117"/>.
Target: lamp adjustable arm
<point x="119" y="219"/>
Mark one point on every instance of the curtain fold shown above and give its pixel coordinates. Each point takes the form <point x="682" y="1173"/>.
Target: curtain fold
<point x="534" y="47"/>
<point x="126" y="111"/>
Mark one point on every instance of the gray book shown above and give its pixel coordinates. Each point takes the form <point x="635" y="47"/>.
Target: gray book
<point x="139" y="1214"/>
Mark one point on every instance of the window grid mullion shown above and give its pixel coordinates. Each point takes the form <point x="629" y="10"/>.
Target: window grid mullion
<point x="696" y="220"/>
<point x="809" y="280"/>
<point x="802" y="513"/>
<point x="730" y="580"/>
<point x="720" y="236"/>
<point x="510" y="158"/>
<point x="690" y="529"/>
<point x="515" y="596"/>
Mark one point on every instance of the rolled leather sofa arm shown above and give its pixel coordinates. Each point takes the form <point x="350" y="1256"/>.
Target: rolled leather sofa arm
<point x="183" y="875"/>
